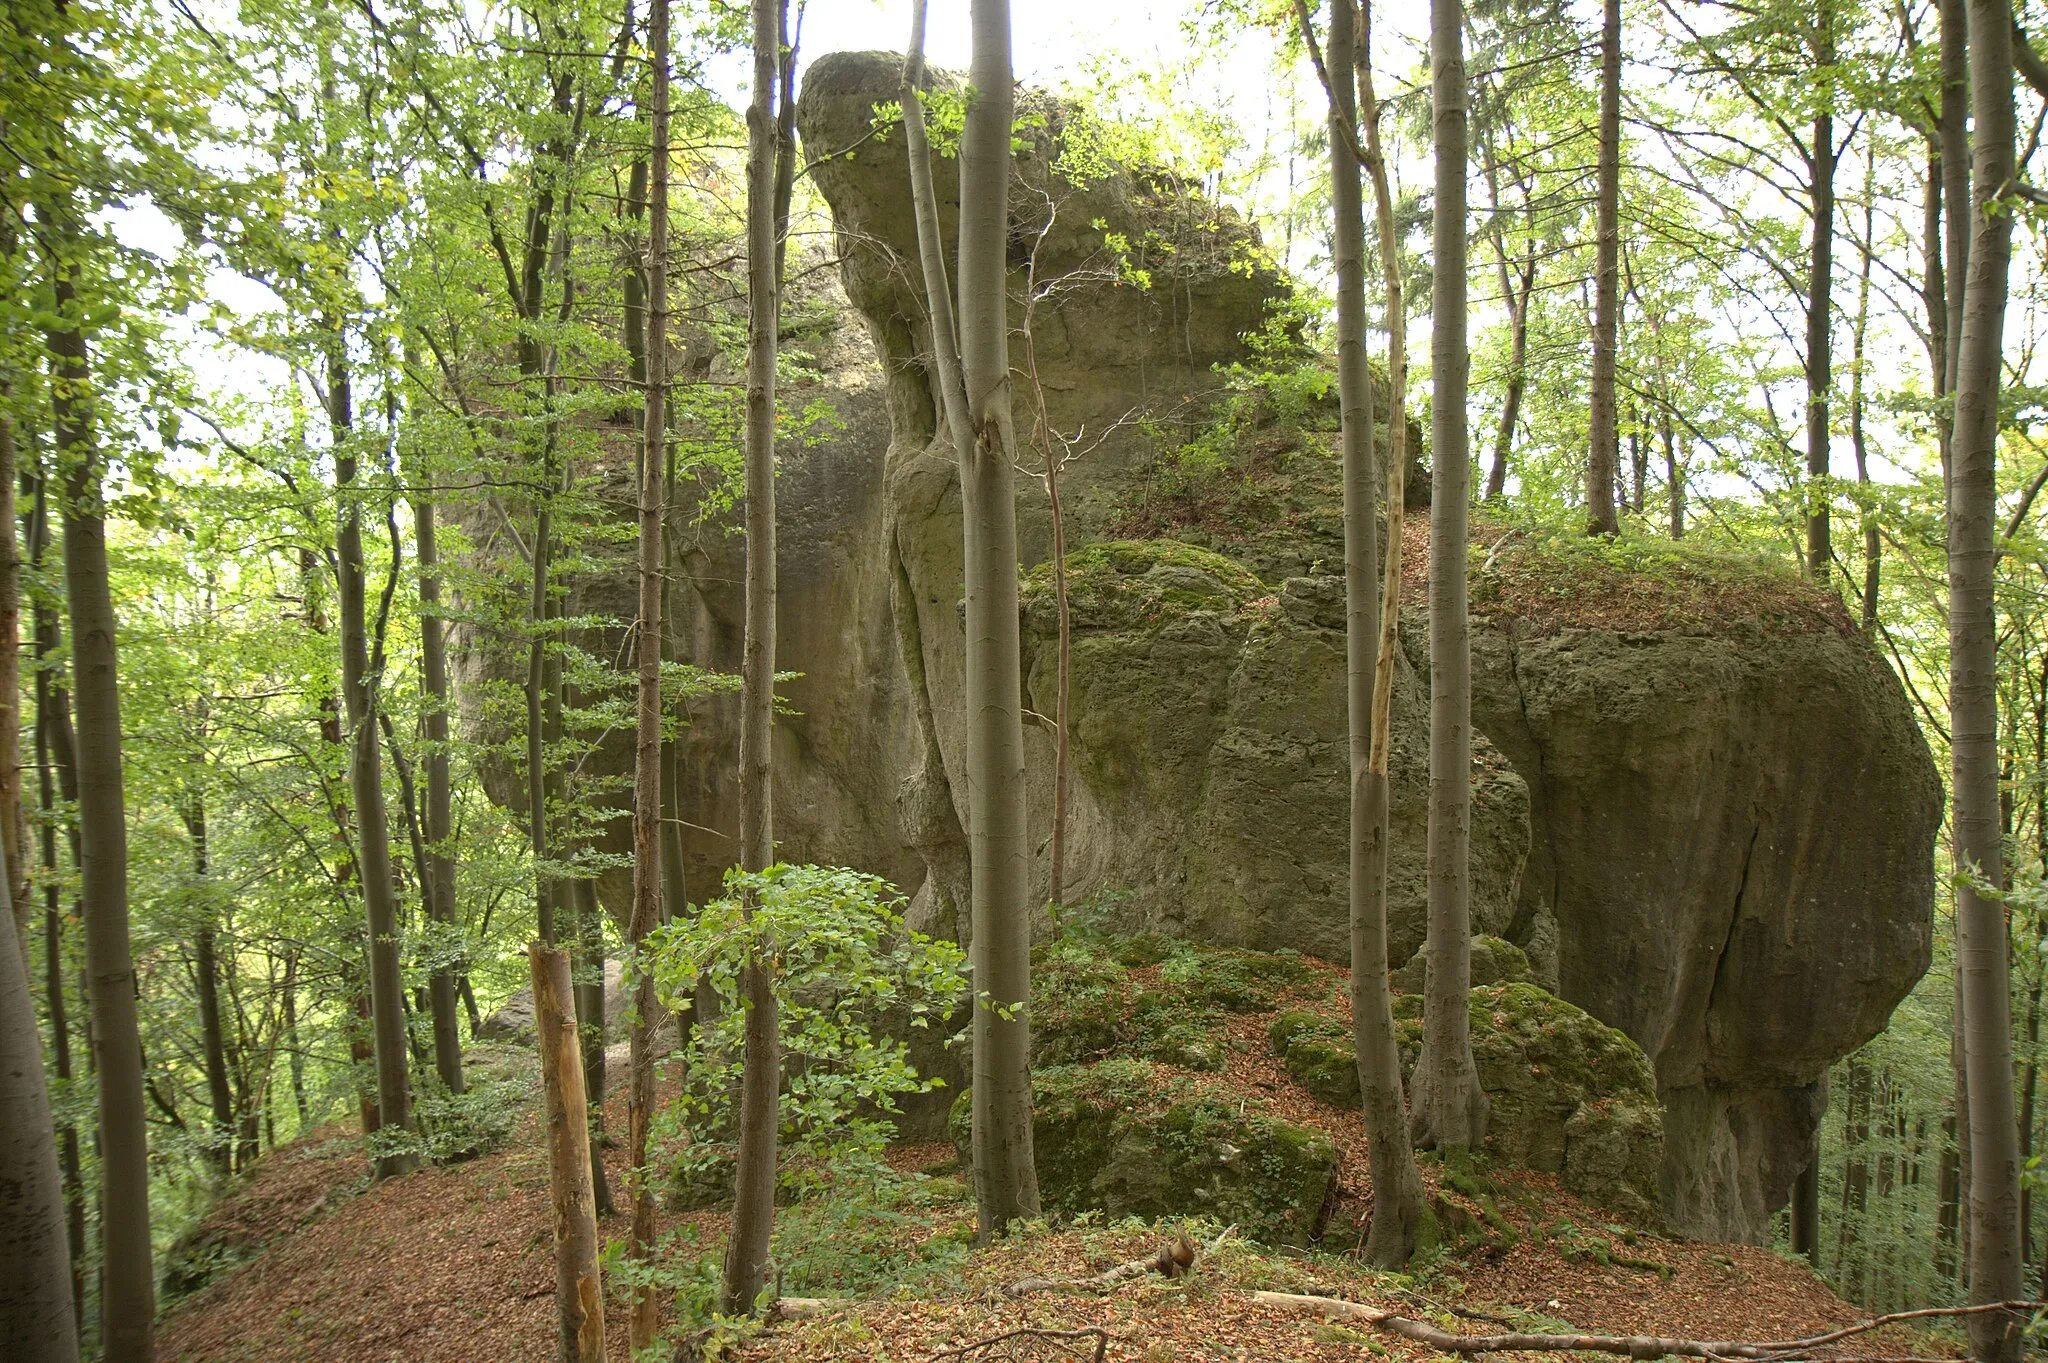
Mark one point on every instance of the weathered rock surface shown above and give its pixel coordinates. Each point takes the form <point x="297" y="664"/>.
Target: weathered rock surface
<point x="1734" y="835"/>
<point x="1712" y="831"/>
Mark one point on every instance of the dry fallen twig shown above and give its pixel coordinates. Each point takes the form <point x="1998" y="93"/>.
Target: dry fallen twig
<point x="1094" y="1332"/>
<point x="1628" y="1346"/>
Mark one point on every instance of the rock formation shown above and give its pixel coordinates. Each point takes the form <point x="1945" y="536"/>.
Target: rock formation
<point x="1708" y="818"/>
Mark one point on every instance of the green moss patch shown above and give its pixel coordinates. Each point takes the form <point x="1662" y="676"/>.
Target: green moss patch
<point x="1118" y="1137"/>
<point x="1142" y="584"/>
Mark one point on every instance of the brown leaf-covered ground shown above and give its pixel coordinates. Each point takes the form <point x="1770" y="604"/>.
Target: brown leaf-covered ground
<point x="453" y="1265"/>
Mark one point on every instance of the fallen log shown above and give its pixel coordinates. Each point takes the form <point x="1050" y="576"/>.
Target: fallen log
<point x="1626" y="1346"/>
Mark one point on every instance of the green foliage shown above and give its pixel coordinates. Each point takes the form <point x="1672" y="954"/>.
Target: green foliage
<point x="849" y="982"/>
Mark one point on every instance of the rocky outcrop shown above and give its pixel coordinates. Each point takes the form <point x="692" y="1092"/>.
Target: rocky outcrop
<point x="1701" y="804"/>
<point x="1713" y="832"/>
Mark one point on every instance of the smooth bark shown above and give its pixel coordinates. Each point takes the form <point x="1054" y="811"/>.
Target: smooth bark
<point x="645" y="1316"/>
<point x="206" y="970"/>
<point x="1397" y="1185"/>
<point x="1996" y="1267"/>
<point x="1603" y="456"/>
<point x="366" y="783"/>
<point x="1449" y="1108"/>
<point x="753" y="1218"/>
<point x="438" y="872"/>
<point x="579" y="1293"/>
<point x="1820" y="165"/>
<point x="128" y="1280"/>
<point x="1006" y="1180"/>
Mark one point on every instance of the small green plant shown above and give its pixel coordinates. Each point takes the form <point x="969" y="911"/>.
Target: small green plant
<point x="850" y="982"/>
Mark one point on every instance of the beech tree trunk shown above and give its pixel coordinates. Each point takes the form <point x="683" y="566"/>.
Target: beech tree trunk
<point x="212" y="1045"/>
<point x="439" y="870"/>
<point x="1449" y="1106"/>
<point x="1005" y="1177"/>
<point x="579" y="1292"/>
<point x="1996" y="1268"/>
<point x="37" y="1311"/>
<point x="645" y="1317"/>
<point x="128" y="1278"/>
<point x="753" y="1213"/>
<point x="366" y="783"/>
<point x="13" y="829"/>
<point x="1819" y="304"/>
<point x="1873" y="547"/>
<point x="1397" y="1186"/>
<point x="1953" y="133"/>
<point x="1604" y="456"/>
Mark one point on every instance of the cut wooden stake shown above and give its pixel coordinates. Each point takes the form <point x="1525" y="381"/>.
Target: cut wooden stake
<point x="579" y="1294"/>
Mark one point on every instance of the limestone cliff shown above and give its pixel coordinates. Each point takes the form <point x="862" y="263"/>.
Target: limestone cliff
<point x="1713" y="830"/>
<point x="1701" y="803"/>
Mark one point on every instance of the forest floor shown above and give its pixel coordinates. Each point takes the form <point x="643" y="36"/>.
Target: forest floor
<point x="454" y="1265"/>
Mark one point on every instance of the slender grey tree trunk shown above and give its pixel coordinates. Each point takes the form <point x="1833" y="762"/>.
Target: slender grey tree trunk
<point x="645" y="1318"/>
<point x="439" y="870"/>
<point x="1397" y="1186"/>
<point x="13" y="828"/>
<point x="1996" y="1267"/>
<point x="1953" y="134"/>
<point x="1449" y="1107"/>
<point x="579" y="1287"/>
<point x="366" y="783"/>
<point x="1604" y="456"/>
<point x="1006" y="1180"/>
<point x="753" y="1216"/>
<point x="37" y="1311"/>
<point x="212" y="1046"/>
<point x="1873" y="546"/>
<point x="128" y="1279"/>
<point x="1819" y="311"/>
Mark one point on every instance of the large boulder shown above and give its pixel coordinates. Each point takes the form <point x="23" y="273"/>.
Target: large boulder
<point x="1118" y="1137"/>
<point x="1734" y="815"/>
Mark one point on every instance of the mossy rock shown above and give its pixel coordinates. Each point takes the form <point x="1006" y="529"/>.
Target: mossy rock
<point x="1078" y="1007"/>
<point x="1327" y="1067"/>
<point x="1300" y="1022"/>
<point x="1571" y="1096"/>
<point x="1240" y="981"/>
<point x="1141" y="584"/>
<point x="1495" y="960"/>
<point x="1112" y="1138"/>
<point x="1085" y="1008"/>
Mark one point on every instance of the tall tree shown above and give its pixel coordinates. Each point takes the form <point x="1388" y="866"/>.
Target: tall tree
<point x="438" y="874"/>
<point x="360" y="702"/>
<point x="128" y="1289"/>
<point x="1449" y="1106"/>
<point x="1370" y="636"/>
<point x="1996" y="1266"/>
<point x="1005" y="1177"/>
<point x="36" y="1308"/>
<point x="753" y="1212"/>
<point x="1603" y="429"/>
<point x="645" y="1318"/>
<point x="1821" y="157"/>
